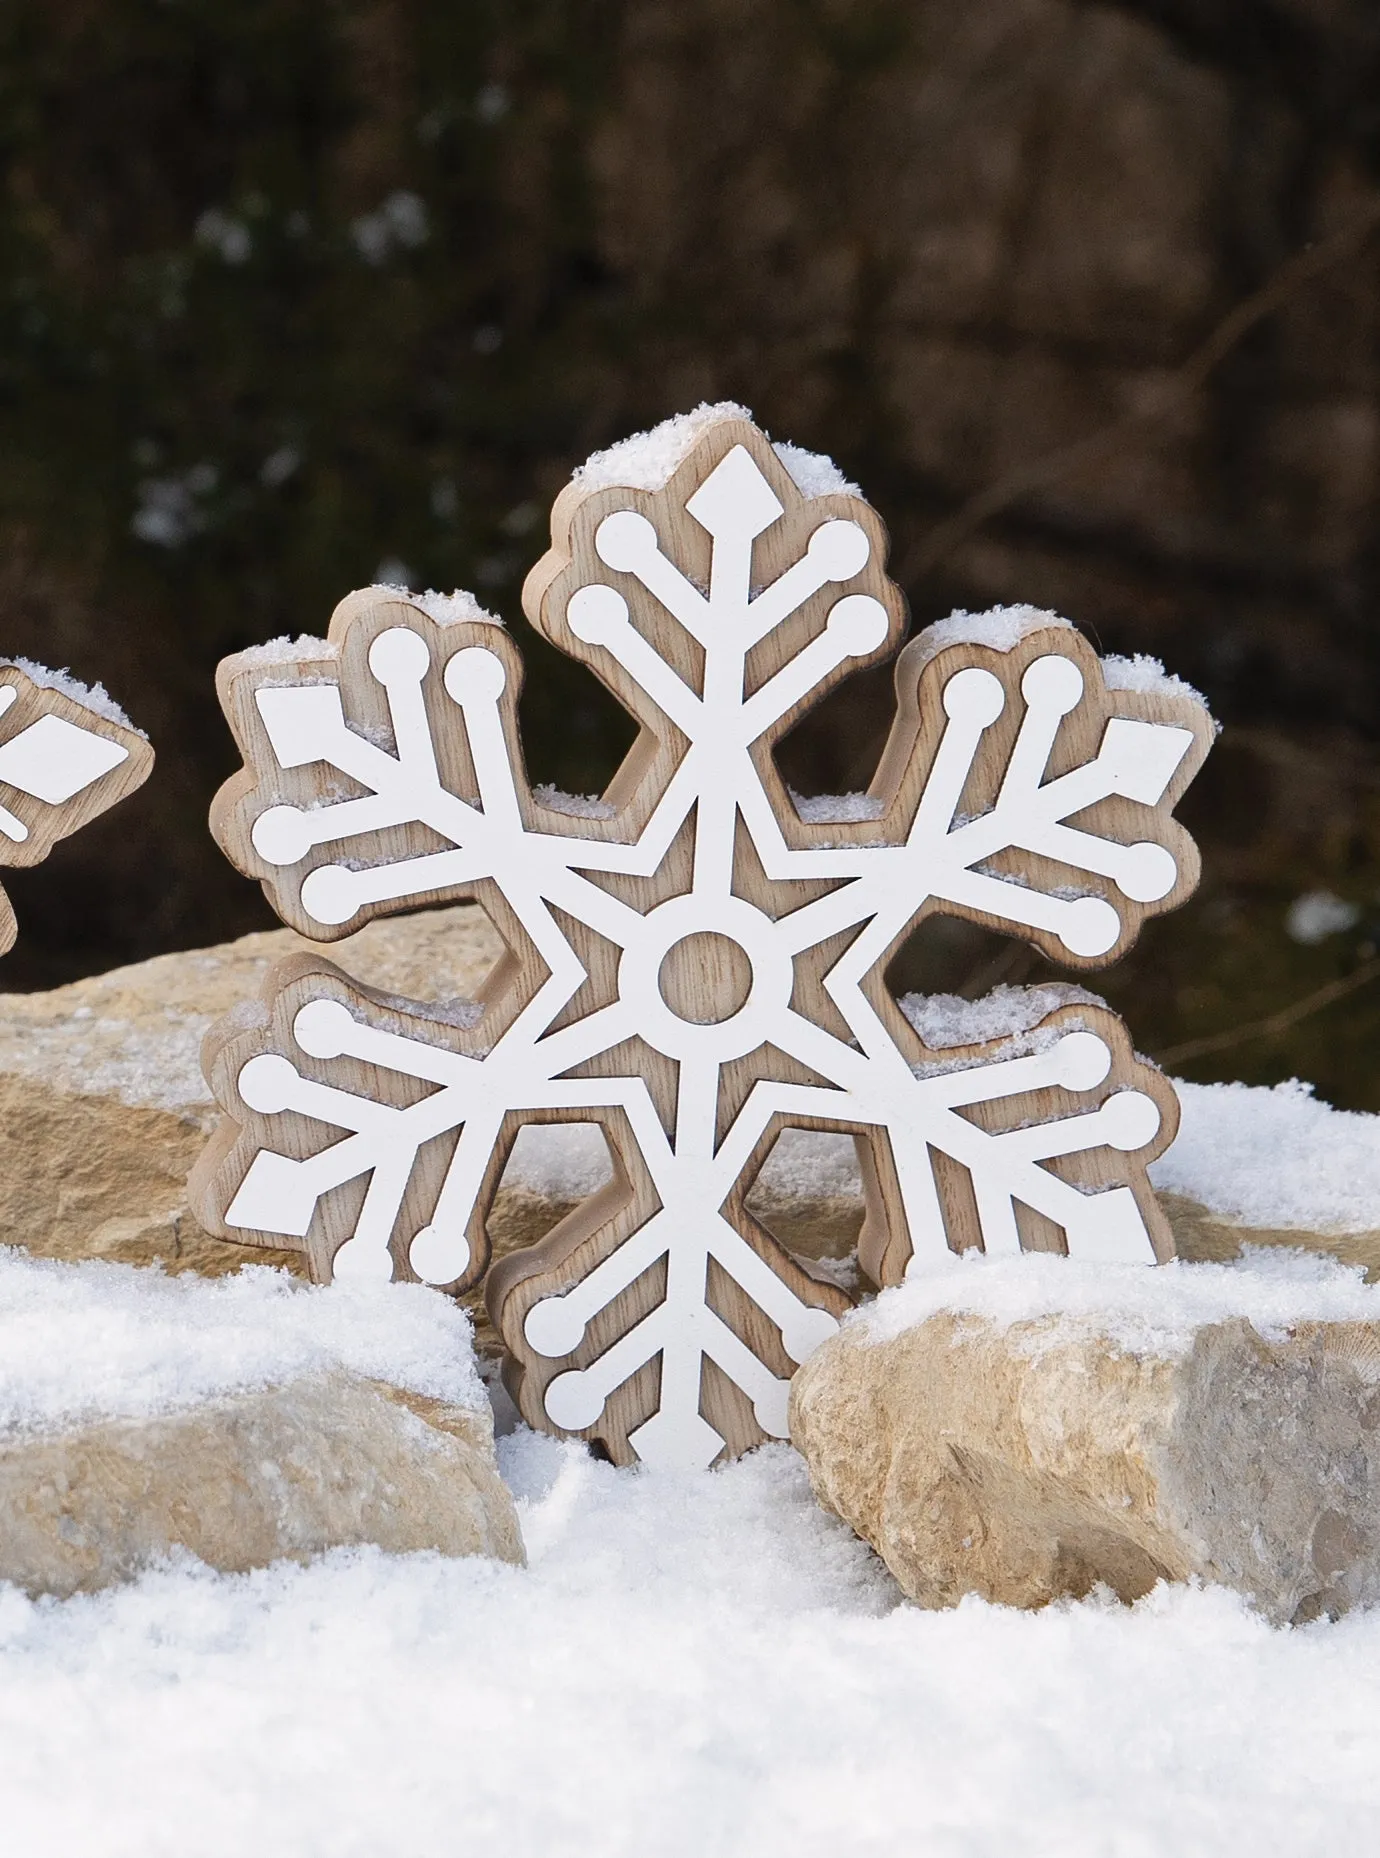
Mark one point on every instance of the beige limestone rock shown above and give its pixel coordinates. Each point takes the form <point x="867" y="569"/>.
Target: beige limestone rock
<point x="245" y="1479"/>
<point x="1029" y="1460"/>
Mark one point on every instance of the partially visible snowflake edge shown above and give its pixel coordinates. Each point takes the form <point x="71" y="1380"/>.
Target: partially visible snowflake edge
<point x="695" y="963"/>
<point x="67" y="754"/>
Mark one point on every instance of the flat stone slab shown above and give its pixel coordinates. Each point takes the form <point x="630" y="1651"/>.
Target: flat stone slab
<point x="1025" y="1432"/>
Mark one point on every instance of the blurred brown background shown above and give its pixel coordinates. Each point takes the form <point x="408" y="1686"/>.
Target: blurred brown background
<point x="1087" y="296"/>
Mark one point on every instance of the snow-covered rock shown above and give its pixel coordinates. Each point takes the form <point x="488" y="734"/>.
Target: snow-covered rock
<point x="242" y="1421"/>
<point x="1021" y="1431"/>
<point x="1254" y="1166"/>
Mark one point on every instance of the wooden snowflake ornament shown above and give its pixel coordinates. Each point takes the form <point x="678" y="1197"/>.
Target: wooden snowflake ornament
<point x="696" y="963"/>
<point x="64" y="758"/>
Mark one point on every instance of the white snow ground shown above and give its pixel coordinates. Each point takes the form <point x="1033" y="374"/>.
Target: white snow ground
<point x="706" y="1666"/>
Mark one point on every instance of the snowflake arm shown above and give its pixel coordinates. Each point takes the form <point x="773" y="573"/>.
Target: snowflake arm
<point x="991" y="801"/>
<point x="62" y="763"/>
<point x="1081" y="1095"/>
<point x="330" y="1028"/>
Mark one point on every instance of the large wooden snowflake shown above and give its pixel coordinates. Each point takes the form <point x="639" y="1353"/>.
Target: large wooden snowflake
<point x="694" y="964"/>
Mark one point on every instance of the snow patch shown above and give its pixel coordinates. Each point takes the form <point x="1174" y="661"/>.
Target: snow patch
<point x="305" y="649"/>
<point x="446" y="609"/>
<point x="563" y="1161"/>
<point x="574" y="806"/>
<point x="1001" y="628"/>
<point x="1145" y="1310"/>
<point x="1274" y="1157"/>
<point x="687" y="1666"/>
<point x="97" y="1340"/>
<point x="648" y="460"/>
<point x="810" y="1164"/>
<point x="836" y="809"/>
<point x="814" y="474"/>
<point x="243" y="1016"/>
<point x="1146" y="674"/>
<point x="146" y="1065"/>
<point x="459" y="1012"/>
<point x="93" y="697"/>
<point x="944" y="1020"/>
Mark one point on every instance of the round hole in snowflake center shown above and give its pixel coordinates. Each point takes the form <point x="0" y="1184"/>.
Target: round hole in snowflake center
<point x="705" y="977"/>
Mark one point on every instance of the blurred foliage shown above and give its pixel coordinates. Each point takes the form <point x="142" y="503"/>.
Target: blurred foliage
<point x="273" y="321"/>
<point x="279" y="314"/>
<point x="298" y="294"/>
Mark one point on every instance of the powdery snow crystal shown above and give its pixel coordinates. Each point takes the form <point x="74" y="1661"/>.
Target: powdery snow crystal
<point x="93" y="697"/>
<point x="1000" y="628"/>
<point x="532" y="1059"/>
<point x="560" y="1161"/>
<point x="286" y="650"/>
<point x="811" y="1165"/>
<point x="647" y="460"/>
<point x="815" y="475"/>
<point x="446" y="609"/>
<point x="836" y="809"/>
<point x="1145" y="673"/>
<point x="945" y="1020"/>
<point x="575" y="806"/>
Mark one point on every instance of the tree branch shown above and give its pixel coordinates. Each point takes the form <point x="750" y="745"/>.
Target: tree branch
<point x="1273" y="1023"/>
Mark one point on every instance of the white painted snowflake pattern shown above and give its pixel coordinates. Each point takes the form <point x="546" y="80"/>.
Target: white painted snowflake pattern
<point x="696" y="961"/>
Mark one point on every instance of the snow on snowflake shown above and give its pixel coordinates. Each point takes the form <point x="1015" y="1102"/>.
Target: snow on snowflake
<point x="696" y="959"/>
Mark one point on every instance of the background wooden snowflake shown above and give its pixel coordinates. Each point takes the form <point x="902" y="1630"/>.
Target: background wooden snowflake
<point x="695" y="964"/>
<point x="66" y="755"/>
